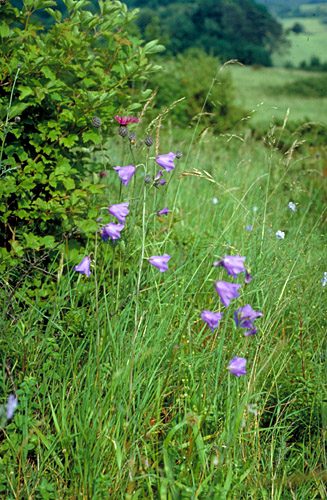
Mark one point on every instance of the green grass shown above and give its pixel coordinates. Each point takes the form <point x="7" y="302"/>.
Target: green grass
<point x="125" y="403"/>
<point x="253" y="92"/>
<point x="303" y="46"/>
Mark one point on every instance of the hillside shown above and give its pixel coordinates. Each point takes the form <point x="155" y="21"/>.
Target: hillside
<point x="230" y="29"/>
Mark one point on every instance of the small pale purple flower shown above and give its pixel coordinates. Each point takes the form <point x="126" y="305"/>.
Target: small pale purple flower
<point x="112" y="231"/>
<point x="249" y="227"/>
<point x="164" y="211"/>
<point x="233" y="265"/>
<point x="248" y="277"/>
<point x="119" y="211"/>
<point x="211" y="318"/>
<point x="227" y="291"/>
<point x="324" y="279"/>
<point x="244" y="318"/>
<point x="125" y="173"/>
<point x="11" y="406"/>
<point x="160" y="261"/>
<point x="215" y="201"/>
<point x="166" y="161"/>
<point x="160" y="182"/>
<point x="84" y="266"/>
<point x="280" y="235"/>
<point x="237" y="366"/>
<point x="292" y="206"/>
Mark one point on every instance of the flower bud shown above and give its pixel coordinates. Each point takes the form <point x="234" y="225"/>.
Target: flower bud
<point x="179" y="155"/>
<point x="148" y="179"/>
<point x="123" y="131"/>
<point x="148" y="141"/>
<point x="17" y="119"/>
<point x="96" y="122"/>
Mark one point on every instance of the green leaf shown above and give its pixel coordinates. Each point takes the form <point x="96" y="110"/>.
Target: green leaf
<point x="4" y="30"/>
<point x="24" y="92"/>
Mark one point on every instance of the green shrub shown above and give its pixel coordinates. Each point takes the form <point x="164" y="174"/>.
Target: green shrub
<point x="82" y="66"/>
<point x="206" y="86"/>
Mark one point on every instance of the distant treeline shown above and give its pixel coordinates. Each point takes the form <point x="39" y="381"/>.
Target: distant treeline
<point x="230" y="29"/>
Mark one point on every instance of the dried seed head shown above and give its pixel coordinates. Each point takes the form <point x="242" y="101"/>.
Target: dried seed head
<point x="123" y="131"/>
<point x="17" y="119"/>
<point x="149" y="141"/>
<point x="19" y="65"/>
<point x="148" y="179"/>
<point x="96" y="122"/>
<point x="179" y="155"/>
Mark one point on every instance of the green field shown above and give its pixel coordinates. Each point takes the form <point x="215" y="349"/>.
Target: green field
<point x="303" y="46"/>
<point x="254" y="93"/>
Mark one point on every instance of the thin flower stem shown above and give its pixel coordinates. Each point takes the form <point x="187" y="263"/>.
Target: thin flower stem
<point x="97" y="309"/>
<point x="137" y="322"/>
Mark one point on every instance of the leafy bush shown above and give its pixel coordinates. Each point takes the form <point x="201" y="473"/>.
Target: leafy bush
<point x="84" y="65"/>
<point x="208" y="91"/>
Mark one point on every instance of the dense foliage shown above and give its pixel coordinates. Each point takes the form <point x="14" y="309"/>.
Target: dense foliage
<point x="230" y="29"/>
<point x="84" y="65"/>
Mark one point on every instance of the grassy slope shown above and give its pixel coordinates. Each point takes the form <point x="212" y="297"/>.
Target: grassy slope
<point x="313" y="42"/>
<point x="253" y="93"/>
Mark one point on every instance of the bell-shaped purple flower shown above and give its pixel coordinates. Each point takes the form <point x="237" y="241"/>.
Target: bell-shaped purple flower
<point x="227" y="291"/>
<point x="84" y="266"/>
<point x="164" y="211"/>
<point x="112" y="231"/>
<point x="211" y="318"/>
<point x="248" y="277"/>
<point x="125" y="173"/>
<point x="244" y="318"/>
<point x="233" y="264"/>
<point x="11" y="406"/>
<point x="158" y="181"/>
<point x="166" y="161"/>
<point x="237" y="366"/>
<point x="160" y="261"/>
<point x="119" y="211"/>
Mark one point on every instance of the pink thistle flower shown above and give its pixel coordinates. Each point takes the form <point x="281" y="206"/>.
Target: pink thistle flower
<point x="125" y="120"/>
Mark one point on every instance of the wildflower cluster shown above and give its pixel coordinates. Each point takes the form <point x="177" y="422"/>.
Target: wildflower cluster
<point x="244" y="316"/>
<point x="120" y="211"/>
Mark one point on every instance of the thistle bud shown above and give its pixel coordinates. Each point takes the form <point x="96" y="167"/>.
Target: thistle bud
<point x="179" y="155"/>
<point x="17" y="119"/>
<point x="132" y="137"/>
<point x="123" y="131"/>
<point x="148" y="179"/>
<point x="148" y="141"/>
<point x="96" y="122"/>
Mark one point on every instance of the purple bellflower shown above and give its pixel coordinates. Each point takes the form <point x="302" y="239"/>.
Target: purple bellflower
<point x="237" y="366"/>
<point x="84" y="266"/>
<point x="164" y="211"/>
<point x="158" y="181"/>
<point x="112" y="231"/>
<point x="160" y="261"/>
<point x="166" y="161"/>
<point x="249" y="227"/>
<point x="119" y="211"/>
<point x="248" y="277"/>
<point x="211" y="318"/>
<point x="227" y="291"/>
<point x="244" y="318"/>
<point x="233" y="265"/>
<point x="125" y="173"/>
<point x="11" y="406"/>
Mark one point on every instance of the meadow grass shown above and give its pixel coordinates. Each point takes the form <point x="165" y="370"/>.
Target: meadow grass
<point x="254" y="92"/>
<point x="115" y="403"/>
<point x="303" y="46"/>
